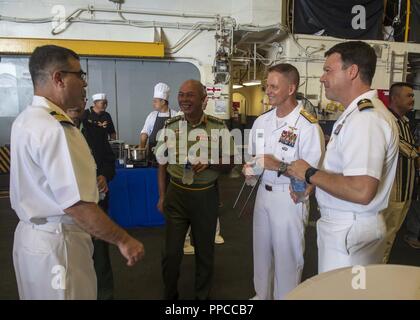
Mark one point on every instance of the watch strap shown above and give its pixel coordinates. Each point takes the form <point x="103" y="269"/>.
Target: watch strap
<point x="309" y="173"/>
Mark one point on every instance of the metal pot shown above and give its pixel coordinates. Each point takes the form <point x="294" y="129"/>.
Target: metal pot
<point x="137" y="154"/>
<point x="118" y="149"/>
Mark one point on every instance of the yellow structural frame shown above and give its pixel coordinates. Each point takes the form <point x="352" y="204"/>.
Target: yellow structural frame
<point x="85" y="47"/>
<point x="407" y="21"/>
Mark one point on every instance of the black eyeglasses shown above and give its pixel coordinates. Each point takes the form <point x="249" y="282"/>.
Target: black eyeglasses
<point x="82" y="75"/>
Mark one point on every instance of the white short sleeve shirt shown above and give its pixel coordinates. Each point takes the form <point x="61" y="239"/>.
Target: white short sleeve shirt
<point x="51" y="164"/>
<point x="266" y="138"/>
<point x="362" y="143"/>
<point x="151" y="119"/>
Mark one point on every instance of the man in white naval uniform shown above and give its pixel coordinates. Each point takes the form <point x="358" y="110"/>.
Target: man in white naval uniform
<point x="285" y="133"/>
<point x="358" y="171"/>
<point x="53" y="188"/>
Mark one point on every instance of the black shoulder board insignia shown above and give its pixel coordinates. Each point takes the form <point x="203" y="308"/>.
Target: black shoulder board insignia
<point x="364" y="104"/>
<point x="61" y="118"/>
<point x="308" y="116"/>
<point x="267" y="111"/>
<point x="172" y="120"/>
<point x="215" y="119"/>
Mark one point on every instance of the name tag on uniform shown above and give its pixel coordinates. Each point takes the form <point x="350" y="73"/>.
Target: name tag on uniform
<point x="259" y="142"/>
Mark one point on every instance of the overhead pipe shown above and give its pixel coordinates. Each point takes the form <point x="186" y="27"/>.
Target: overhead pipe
<point x="225" y="22"/>
<point x="155" y="13"/>
<point x="255" y="61"/>
<point x="229" y="21"/>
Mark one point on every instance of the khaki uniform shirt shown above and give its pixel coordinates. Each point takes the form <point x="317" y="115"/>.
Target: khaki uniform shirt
<point x="51" y="164"/>
<point x="209" y="141"/>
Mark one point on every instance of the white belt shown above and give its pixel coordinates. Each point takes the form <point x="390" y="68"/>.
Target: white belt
<point x="65" y="219"/>
<point x="54" y="227"/>
<point x="346" y="215"/>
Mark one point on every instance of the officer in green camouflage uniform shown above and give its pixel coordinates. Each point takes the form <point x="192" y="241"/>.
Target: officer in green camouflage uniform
<point x="193" y="204"/>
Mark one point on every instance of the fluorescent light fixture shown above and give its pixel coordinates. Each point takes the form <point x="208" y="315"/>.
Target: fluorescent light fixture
<point x="237" y="86"/>
<point x="252" y="83"/>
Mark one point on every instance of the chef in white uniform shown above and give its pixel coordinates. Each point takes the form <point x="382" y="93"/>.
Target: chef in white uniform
<point x="156" y="119"/>
<point x="285" y="133"/>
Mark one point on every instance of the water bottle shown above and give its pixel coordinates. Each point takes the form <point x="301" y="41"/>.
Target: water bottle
<point x="298" y="187"/>
<point x="251" y="171"/>
<point x="188" y="176"/>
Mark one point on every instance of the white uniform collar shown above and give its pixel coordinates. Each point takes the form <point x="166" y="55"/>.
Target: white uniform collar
<point x="290" y="119"/>
<point x="353" y="105"/>
<point x="39" y="101"/>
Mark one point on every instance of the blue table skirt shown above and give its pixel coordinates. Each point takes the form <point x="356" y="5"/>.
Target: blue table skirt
<point x="133" y="198"/>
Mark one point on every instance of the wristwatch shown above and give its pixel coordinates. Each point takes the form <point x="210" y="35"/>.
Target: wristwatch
<point x="282" y="168"/>
<point x="309" y="173"/>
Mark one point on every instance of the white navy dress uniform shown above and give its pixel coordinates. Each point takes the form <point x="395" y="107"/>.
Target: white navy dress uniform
<point x="51" y="169"/>
<point x="364" y="141"/>
<point x="279" y="223"/>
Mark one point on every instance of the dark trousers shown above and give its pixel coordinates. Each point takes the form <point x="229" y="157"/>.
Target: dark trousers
<point x="413" y="220"/>
<point x="102" y="264"/>
<point x="183" y="208"/>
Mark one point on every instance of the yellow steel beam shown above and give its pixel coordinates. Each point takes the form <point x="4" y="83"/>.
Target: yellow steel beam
<point x="407" y="21"/>
<point x="85" y="47"/>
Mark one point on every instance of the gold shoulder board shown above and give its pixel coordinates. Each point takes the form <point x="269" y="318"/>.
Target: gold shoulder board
<point x="60" y="118"/>
<point x="172" y="120"/>
<point x="215" y="119"/>
<point x="308" y="116"/>
<point x="364" y="104"/>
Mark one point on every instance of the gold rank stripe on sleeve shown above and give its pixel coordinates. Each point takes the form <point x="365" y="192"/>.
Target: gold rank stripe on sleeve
<point x="308" y="116"/>
<point x="364" y="104"/>
<point x="60" y="118"/>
